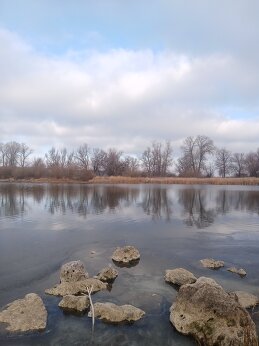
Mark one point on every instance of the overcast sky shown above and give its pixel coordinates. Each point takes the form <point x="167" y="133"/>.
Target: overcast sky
<point x="120" y="73"/>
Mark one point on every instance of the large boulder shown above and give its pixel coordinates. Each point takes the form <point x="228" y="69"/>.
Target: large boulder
<point x="73" y="271"/>
<point x="126" y="254"/>
<point x="211" y="263"/>
<point x="27" y="314"/>
<point x="112" y="313"/>
<point x="212" y="316"/>
<point x="107" y="274"/>
<point x="76" y="288"/>
<point x="179" y="276"/>
<point x="74" y="303"/>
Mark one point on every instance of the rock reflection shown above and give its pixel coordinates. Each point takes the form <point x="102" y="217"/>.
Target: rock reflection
<point x="195" y="211"/>
<point x="126" y="265"/>
<point x="157" y="203"/>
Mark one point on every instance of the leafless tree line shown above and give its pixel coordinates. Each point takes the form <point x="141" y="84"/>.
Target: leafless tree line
<point x="199" y="158"/>
<point x="13" y="154"/>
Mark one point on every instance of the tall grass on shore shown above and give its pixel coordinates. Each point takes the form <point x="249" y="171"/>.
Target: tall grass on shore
<point x="174" y="180"/>
<point x="141" y="180"/>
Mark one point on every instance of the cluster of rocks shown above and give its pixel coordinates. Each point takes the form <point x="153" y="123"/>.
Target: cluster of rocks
<point x="205" y="311"/>
<point x="30" y="314"/>
<point x="214" y="264"/>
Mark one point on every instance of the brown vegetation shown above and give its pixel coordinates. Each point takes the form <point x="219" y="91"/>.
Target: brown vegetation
<point x="142" y="180"/>
<point x="174" y="180"/>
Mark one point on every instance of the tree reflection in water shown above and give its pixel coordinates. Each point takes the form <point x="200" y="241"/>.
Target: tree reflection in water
<point x="195" y="211"/>
<point x="85" y="200"/>
<point x="157" y="203"/>
<point x="200" y="205"/>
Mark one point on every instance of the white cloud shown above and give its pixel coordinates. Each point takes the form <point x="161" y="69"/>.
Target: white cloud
<point x="124" y="98"/>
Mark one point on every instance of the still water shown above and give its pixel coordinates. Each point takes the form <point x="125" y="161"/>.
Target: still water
<point x="43" y="226"/>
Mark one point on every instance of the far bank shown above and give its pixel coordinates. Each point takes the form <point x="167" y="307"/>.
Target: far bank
<point x="142" y="180"/>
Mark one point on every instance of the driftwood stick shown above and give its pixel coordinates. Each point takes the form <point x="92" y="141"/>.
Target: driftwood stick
<point x="89" y="291"/>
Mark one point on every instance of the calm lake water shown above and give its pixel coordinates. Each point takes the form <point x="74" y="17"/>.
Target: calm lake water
<point x="44" y="226"/>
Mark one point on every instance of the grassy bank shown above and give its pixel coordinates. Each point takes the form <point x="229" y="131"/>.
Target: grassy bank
<point x="142" y="180"/>
<point x="175" y="180"/>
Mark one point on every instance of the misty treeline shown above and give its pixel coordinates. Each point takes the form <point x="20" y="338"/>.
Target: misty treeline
<point x="199" y="158"/>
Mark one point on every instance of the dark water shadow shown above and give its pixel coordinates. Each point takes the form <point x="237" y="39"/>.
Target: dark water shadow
<point x="126" y="265"/>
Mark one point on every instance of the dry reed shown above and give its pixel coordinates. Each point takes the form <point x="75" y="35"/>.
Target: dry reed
<point x="175" y="180"/>
<point x="143" y="180"/>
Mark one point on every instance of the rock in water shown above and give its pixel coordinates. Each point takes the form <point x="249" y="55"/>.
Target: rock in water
<point x="212" y="316"/>
<point x="110" y="312"/>
<point x="107" y="274"/>
<point x="247" y="300"/>
<point x="74" y="303"/>
<point x="179" y="276"/>
<point x="27" y="314"/>
<point x="211" y="263"/>
<point x="73" y="271"/>
<point x="76" y="288"/>
<point x="126" y="254"/>
<point x="240" y="272"/>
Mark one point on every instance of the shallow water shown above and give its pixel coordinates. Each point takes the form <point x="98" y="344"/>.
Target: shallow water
<point x="44" y="226"/>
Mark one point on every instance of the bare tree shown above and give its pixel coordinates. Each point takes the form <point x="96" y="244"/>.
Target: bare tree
<point x="131" y="166"/>
<point x="239" y="164"/>
<point x="38" y="162"/>
<point x="147" y="162"/>
<point x="3" y="154"/>
<point x="12" y="153"/>
<point x="252" y="163"/>
<point x="98" y="160"/>
<point x="209" y="169"/>
<point x="52" y="158"/>
<point x="167" y="158"/>
<point x="113" y="163"/>
<point x="60" y="162"/>
<point x="24" y="154"/>
<point x="157" y="159"/>
<point x="82" y="156"/>
<point x="195" y="153"/>
<point x="223" y="162"/>
<point x="38" y="166"/>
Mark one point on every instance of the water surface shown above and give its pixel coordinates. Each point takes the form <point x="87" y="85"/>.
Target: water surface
<point x="43" y="226"/>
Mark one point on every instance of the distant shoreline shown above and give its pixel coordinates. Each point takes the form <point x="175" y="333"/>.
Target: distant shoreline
<point x="142" y="180"/>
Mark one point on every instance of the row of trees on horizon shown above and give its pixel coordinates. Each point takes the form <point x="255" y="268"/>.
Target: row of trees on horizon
<point x="199" y="158"/>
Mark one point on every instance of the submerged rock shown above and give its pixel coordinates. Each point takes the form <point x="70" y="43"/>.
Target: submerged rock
<point x="76" y="288"/>
<point x="27" y="314"/>
<point x="211" y="263"/>
<point x="240" y="271"/>
<point x="107" y="274"/>
<point x="179" y="276"/>
<point x="74" y="303"/>
<point x="247" y="300"/>
<point x="73" y="271"/>
<point x="110" y="312"/>
<point x="126" y="254"/>
<point x="212" y="316"/>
